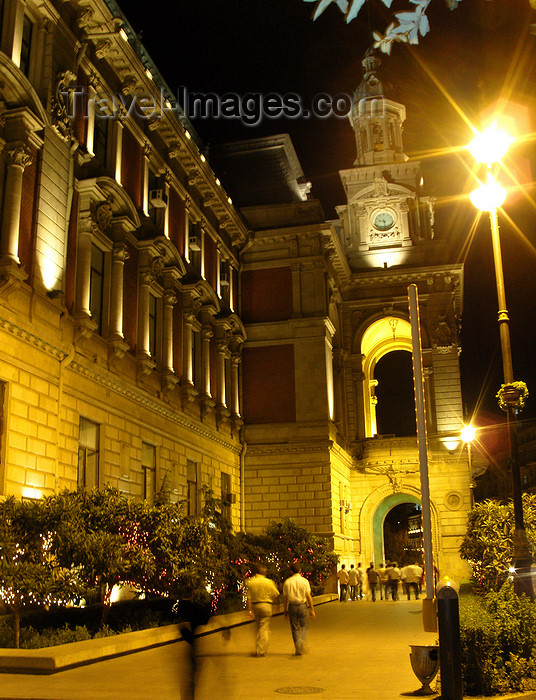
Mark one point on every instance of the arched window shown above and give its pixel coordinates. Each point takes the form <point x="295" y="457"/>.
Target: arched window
<point x="380" y="338"/>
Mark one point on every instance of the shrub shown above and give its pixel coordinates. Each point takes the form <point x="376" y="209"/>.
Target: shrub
<point x="498" y="642"/>
<point x="488" y="543"/>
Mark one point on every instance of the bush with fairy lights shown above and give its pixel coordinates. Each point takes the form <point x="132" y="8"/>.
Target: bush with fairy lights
<point x="80" y="546"/>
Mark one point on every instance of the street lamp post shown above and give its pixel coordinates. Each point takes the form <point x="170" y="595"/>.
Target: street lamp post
<point x="468" y="435"/>
<point x="490" y="147"/>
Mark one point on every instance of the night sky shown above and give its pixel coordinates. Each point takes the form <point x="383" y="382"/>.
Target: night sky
<point x="473" y="55"/>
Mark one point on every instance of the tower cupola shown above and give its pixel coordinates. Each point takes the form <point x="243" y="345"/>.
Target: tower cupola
<point x="376" y="120"/>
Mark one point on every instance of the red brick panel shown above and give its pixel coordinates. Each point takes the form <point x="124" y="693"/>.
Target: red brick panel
<point x="131" y="167"/>
<point x="177" y="337"/>
<point x="130" y="298"/>
<point x="268" y="384"/>
<point x="79" y="108"/>
<point x="267" y="295"/>
<point x="213" y="367"/>
<point x="210" y="261"/>
<point x="176" y="220"/>
<point x="27" y="214"/>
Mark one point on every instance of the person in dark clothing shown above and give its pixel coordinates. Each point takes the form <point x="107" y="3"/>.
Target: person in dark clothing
<point x="373" y="577"/>
<point x="192" y="614"/>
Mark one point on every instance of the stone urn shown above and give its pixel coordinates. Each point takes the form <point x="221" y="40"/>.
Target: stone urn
<point x="425" y="664"/>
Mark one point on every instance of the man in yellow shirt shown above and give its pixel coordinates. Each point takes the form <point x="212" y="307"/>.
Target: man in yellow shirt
<point x="262" y="593"/>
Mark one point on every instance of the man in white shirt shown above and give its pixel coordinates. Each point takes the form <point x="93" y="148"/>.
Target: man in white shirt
<point x="296" y="597"/>
<point x="411" y="577"/>
<point x="262" y="594"/>
<point x="343" y="583"/>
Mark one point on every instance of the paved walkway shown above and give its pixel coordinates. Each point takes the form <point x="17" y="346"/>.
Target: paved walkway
<point x="357" y="650"/>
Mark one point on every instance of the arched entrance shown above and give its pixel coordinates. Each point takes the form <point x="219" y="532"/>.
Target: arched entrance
<point x="383" y="336"/>
<point x="378" y="519"/>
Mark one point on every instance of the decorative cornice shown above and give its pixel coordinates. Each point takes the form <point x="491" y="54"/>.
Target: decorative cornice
<point x="148" y="402"/>
<point x="32" y="339"/>
<point x="289" y="449"/>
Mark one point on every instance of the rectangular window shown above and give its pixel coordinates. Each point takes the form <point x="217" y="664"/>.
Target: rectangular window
<point x="226" y="495"/>
<point x="153" y="325"/>
<point x="26" y="44"/>
<point x="100" y="139"/>
<point x="191" y="483"/>
<point x="96" y="285"/>
<point x="88" y="454"/>
<point x="148" y="465"/>
<point x="195" y="246"/>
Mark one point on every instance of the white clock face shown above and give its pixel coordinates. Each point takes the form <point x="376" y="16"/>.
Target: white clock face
<point x="383" y="221"/>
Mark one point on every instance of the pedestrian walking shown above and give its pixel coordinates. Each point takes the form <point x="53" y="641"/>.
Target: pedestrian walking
<point x="393" y="572"/>
<point x="262" y="593"/>
<point x="192" y="613"/>
<point x="343" y="583"/>
<point x="360" y="581"/>
<point x="372" y="577"/>
<point x="411" y="577"/>
<point x="384" y="581"/>
<point x="352" y="582"/>
<point x="296" y="599"/>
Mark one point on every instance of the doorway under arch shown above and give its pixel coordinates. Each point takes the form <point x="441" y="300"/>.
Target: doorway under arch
<point x="381" y="512"/>
<point x="383" y="336"/>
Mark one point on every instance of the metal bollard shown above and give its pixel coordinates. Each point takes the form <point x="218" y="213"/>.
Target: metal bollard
<point x="450" y="659"/>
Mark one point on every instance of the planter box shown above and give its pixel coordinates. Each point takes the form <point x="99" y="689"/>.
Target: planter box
<point x="62" y="657"/>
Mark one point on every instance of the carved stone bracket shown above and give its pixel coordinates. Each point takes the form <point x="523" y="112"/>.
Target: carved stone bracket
<point x="61" y="112"/>
<point x="145" y="365"/>
<point x="117" y="349"/>
<point x="84" y="328"/>
<point x="169" y="381"/>
<point x="188" y="392"/>
<point x="207" y="405"/>
<point x="223" y="414"/>
<point x="11" y="277"/>
<point x="236" y="423"/>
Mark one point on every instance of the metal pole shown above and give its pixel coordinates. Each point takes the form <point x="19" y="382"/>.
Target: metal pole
<point x="418" y="379"/>
<point x="522" y="559"/>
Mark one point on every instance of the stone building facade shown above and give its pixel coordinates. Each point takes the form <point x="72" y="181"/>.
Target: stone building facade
<point x="156" y="336"/>
<point x="120" y="342"/>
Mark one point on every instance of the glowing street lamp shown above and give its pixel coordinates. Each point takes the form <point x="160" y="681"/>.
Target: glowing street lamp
<point x="467" y="435"/>
<point x="489" y="147"/>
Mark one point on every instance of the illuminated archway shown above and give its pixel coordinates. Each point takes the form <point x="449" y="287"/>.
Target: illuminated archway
<point x="379" y="516"/>
<point x="381" y="337"/>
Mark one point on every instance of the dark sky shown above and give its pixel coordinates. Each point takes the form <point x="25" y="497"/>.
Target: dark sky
<point x="473" y="55"/>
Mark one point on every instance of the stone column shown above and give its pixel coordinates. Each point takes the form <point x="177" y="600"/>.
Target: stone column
<point x="83" y="267"/>
<point x="186" y="231"/>
<point x="235" y="388"/>
<point x="170" y="299"/>
<point x="119" y="256"/>
<point x="231" y="287"/>
<point x="205" y="360"/>
<point x="147" y="150"/>
<point x="146" y="278"/>
<point x="187" y="365"/>
<point x="220" y="392"/>
<point x="17" y="160"/>
<point x="118" y="160"/>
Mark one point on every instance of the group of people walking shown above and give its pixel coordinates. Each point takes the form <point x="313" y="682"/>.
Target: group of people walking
<point x="298" y="606"/>
<point x="353" y="583"/>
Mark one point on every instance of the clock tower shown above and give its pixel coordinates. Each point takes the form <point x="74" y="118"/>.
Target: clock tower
<point x="385" y="211"/>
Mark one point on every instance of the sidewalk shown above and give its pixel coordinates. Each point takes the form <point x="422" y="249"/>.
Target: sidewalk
<point x="357" y="650"/>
